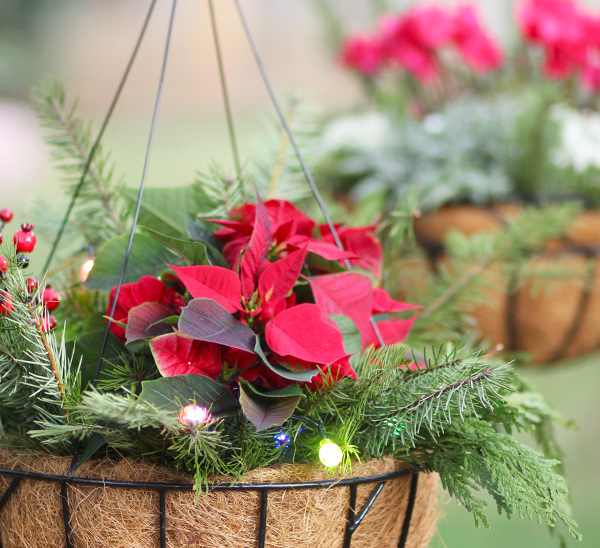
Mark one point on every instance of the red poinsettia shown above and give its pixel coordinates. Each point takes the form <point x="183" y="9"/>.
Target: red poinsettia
<point x="360" y="241"/>
<point x="244" y="323"/>
<point x="269" y="321"/>
<point x="289" y="228"/>
<point x="147" y="290"/>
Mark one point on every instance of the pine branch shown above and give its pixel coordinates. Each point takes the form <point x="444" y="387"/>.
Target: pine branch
<point x="464" y="281"/>
<point x="277" y="173"/>
<point x="217" y="194"/>
<point x="520" y="480"/>
<point x="98" y="204"/>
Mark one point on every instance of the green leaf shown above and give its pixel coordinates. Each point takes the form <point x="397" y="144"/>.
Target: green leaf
<point x="198" y="231"/>
<point x="94" y="442"/>
<point x="195" y="252"/>
<point x="87" y="349"/>
<point x="171" y="320"/>
<point x="299" y="376"/>
<point x="266" y="412"/>
<point x="317" y="262"/>
<point x="164" y="210"/>
<point x="291" y="390"/>
<point x="147" y="258"/>
<point x="173" y="393"/>
<point x="350" y="334"/>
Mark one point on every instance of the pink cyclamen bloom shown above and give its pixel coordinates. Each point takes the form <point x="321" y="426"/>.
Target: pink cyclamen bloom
<point x="362" y="54"/>
<point x="590" y="73"/>
<point x="481" y="51"/>
<point x="429" y="27"/>
<point x="559" y="26"/>
<point x="400" y="46"/>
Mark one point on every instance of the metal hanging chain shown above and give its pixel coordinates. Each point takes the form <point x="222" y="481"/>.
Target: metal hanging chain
<point x="290" y="134"/>
<point x="140" y="194"/>
<point x="96" y="144"/>
<point x="230" y="127"/>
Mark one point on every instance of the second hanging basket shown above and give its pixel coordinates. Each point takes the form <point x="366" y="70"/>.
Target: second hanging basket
<point x="555" y="320"/>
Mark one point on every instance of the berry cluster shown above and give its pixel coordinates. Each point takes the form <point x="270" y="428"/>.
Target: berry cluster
<point x="25" y="241"/>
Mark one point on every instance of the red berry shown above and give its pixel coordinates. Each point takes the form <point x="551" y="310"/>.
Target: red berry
<point x="6" y="306"/>
<point x="48" y="324"/>
<point x="6" y="215"/>
<point x="1" y="238"/>
<point x="32" y="285"/>
<point x="25" y="239"/>
<point x="3" y="263"/>
<point x="51" y="298"/>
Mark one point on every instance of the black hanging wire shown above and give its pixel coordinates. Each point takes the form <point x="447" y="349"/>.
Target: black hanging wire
<point x="230" y="127"/>
<point x="96" y="144"/>
<point x="290" y="134"/>
<point x="140" y="194"/>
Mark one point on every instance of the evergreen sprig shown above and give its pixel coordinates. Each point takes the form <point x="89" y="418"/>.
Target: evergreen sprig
<point x="38" y="382"/>
<point x="277" y="172"/>
<point x="98" y="213"/>
<point x="217" y="194"/>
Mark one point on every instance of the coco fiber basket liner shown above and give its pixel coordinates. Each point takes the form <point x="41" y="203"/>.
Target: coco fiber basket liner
<point x="100" y="516"/>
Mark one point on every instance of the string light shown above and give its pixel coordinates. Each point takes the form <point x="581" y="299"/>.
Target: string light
<point x="85" y="269"/>
<point x="193" y="415"/>
<point x="330" y="453"/>
<point x="281" y="439"/>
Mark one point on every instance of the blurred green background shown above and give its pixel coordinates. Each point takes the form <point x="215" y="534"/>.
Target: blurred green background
<point x="86" y="43"/>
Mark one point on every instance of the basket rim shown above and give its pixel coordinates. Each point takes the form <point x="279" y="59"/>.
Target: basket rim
<point x="165" y="486"/>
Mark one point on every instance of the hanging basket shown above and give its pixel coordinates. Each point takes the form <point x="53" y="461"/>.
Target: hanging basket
<point x="554" y="320"/>
<point x="285" y="506"/>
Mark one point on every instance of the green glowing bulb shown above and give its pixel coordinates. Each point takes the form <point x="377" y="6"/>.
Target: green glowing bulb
<point x="330" y="453"/>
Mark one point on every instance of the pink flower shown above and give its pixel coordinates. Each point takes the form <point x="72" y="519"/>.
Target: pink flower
<point x="429" y="26"/>
<point x="590" y="73"/>
<point x="479" y="50"/>
<point x="363" y="54"/>
<point x="559" y="26"/>
<point x="403" y="44"/>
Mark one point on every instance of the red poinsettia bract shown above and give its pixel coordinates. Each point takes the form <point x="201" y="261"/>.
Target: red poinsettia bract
<point x="245" y="323"/>
<point x="147" y="290"/>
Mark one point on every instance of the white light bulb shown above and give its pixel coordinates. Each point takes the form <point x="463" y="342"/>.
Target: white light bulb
<point x="193" y="414"/>
<point x="330" y="453"/>
<point x="85" y="270"/>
